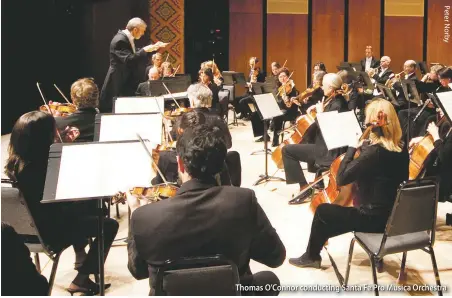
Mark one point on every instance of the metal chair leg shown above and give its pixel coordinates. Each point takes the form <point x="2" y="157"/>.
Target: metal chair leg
<point x="435" y="270"/>
<point x="37" y="263"/>
<point x="402" y="274"/>
<point x="117" y="211"/>
<point x="349" y="263"/>
<point x="56" y="259"/>
<point x="374" y="274"/>
<point x="109" y="208"/>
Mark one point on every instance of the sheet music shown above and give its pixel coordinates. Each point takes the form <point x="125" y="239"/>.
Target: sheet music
<point x="267" y="105"/>
<point x="102" y="169"/>
<point x="125" y="127"/>
<point x="446" y="100"/>
<point x="139" y="105"/>
<point x="339" y="129"/>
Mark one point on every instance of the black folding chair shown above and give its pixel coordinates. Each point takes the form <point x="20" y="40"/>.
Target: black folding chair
<point x="198" y="276"/>
<point x="411" y="226"/>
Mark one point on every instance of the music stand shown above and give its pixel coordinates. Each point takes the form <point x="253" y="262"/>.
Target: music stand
<point x="443" y="100"/>
<point x="124" y="127"/>
<point x="228" y="77"/>
<point x="356" y="65"/>
<point x="103" y="179"/>
<point x="239" y="77"/>
<point x="138" y="105"/>
<point x="410" y="89"/>
<point x="388" y="95"/>
<point x="367" y="80"/>
<point x="422" y="67"/>
<point x="257" y="88"/>
<point x="267" y="108"/>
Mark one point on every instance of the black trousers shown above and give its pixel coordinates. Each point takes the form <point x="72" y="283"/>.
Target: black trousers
<point x="291" y="156"/>
<point x="241" y="104"/>
<point x="278" y="123"/>
<point x="415" y="127"/>
<point x="86" y="227"/>
<point x="261" y="280"/>
<point x="332" y="220"/>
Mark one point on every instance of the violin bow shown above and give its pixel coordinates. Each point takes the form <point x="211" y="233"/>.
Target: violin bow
<point x="284" y="64"/>
<point x="164" y="125"/>
<point x="152" y="159"/>
<point x="174" y="74"/>
<point x="50" y="110"/>
<point x="169" y="92"/>
<point x="62" y="94"/>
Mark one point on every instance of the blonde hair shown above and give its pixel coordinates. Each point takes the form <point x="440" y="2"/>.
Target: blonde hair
<point x="84" y="93"/>
<point x="391" y="138"/>
<point x="213" y="66"/>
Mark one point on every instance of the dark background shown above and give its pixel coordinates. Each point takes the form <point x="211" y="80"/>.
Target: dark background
<point x="59" y="41"/>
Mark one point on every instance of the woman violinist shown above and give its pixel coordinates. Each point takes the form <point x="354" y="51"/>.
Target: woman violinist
<point x="207" y="79"/>
<point x="217" y="77"/>
<point x="285" y="90"/>
<point x="60" y="224"/>
<point x="378" y="171"/>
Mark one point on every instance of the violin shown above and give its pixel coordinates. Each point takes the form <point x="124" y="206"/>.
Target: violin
<point x="59" y="109"/>
<point x="152" y="194"/>
<point x="177" y="112"/>
<point x="286" y="88"/>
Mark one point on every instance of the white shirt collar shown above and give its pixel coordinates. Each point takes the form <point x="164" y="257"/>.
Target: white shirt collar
<point x="369" y="59"/>
<point x="130" y="37"/>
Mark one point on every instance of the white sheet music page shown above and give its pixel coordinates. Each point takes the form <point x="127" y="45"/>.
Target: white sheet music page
<point x="127" y="105"/>
<point x="102" y="169"/>
<point x="339" y="129"/>
<point x="446" y="100"/>
<point x="267" y="105"/>
<point x="125" y="127"/>
<point x="177" y="95"/>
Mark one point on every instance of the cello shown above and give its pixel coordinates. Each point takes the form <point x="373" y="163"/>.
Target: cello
<point x="348" y="194"/>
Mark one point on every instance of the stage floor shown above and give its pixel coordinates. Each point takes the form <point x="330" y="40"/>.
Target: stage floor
<point x="293" y="224"/>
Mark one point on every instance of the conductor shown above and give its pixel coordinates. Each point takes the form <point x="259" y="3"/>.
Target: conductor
<point x="124" y="61"/>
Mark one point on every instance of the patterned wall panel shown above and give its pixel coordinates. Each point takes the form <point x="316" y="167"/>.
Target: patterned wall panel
<point x="167" y="25"/>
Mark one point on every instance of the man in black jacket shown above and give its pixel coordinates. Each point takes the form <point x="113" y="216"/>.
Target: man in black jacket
<point x="122" y="78"/>
<point x="209" y="219"/>
<point x="144" y="89"/>
<point x="85" y="96"/>
<point x="369" y="61"/>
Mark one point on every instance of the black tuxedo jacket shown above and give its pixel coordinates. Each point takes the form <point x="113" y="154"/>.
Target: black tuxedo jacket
<point x="83" y="119"/>
<point x="202" y="220"/>
<point x="384" y="77"/>
<point x="123" y="75"/>
<point x="374" y="64"/>
<point x="143" y="89"/>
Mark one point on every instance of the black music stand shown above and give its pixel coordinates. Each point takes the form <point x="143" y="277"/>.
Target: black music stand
<point x="267" y="108"/>
<point x="409" y="88"/>
<point x="82" y="190"/>
<point x="388" y="95"/>
<point x="228" y="77"/>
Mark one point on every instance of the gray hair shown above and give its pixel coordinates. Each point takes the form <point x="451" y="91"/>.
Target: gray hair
<point x="135" y="23"/>
<point x="386" y="58"/>
<point x="200" y="96"/>
<point x="411" y="63"/>
<point x="332" y="80"/>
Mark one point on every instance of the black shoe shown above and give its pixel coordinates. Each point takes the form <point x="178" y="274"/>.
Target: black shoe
<point x="87" y="290"/>
<point x="305" y="261"/>
<point x="301" y="198"/>
<point x="261" y="139"/>
<point x="275" y="144"/>
<point x="319" y="186"/>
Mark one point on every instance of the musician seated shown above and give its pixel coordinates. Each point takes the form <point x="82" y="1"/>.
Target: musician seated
<point x="316" y="153"/>
<point x="156" y="62"/>
<point x="275" y="66"/>
<point x="319" y="66"/>
<point x="217" y="77"/>
<point x="167" y="70"/>
<point x="378" y="171"/>
<point x="144" y="88"/>
<point x="85" y="96"/>
<point x="369" y="61"/>
<point x="422" y="113"/>
<point x="208" y="219"/>
<point x="288" y="108"/>
<point x="59" y="224"/>
<point x="309" y="101"/>
<point x="207" y="79"/>
<point x="241" y="103"/>
<point x="383" y="73"/>
<point x="409" y="68"/>
<point x="440" y="159"/>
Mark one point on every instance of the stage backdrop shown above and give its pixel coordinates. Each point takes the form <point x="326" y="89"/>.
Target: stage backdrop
<point x="167" y="25"/>
<point x="331" y="31"/>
